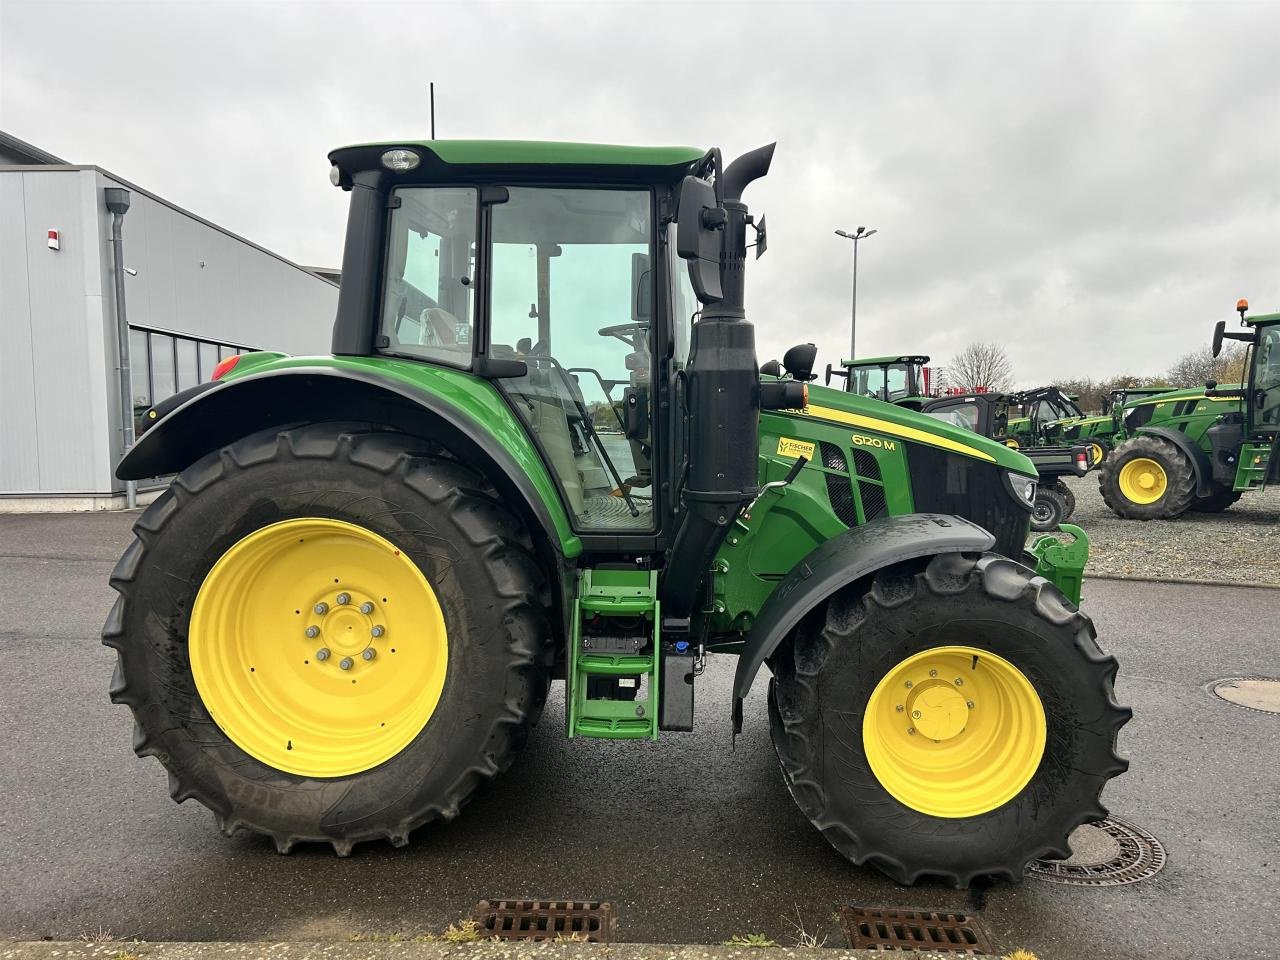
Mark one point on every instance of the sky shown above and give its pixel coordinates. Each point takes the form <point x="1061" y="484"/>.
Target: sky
<point x="1092" y="185"/>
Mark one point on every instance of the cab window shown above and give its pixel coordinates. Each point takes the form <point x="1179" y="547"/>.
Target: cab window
<point x="1266" y="377"/>
<point x="428" y="301"/>
<point x="571" y="295"/>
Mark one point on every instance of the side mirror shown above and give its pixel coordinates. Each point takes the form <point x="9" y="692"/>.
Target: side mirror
<point x="1219" y="329"/>
<point x="699" y="233"/>
<point x="798" y="361"/>
<point x="641" y="289"/>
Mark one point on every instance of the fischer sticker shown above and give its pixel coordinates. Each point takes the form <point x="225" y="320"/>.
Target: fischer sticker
<point x="795" y="448"/>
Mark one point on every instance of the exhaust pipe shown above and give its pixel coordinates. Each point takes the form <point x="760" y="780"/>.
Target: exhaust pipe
<point x="724" y="406"/>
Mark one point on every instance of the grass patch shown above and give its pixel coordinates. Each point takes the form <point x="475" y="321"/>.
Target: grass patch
<point x="464" y="931"/>
<point x="749" y="940"/>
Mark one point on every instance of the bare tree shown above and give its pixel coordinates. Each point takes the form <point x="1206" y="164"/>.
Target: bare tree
<point x="1194" y="368"/>
<point x="981" y="365"/>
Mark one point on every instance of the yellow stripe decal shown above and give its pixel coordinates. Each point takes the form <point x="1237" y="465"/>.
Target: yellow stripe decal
<point x="895" y="430"/>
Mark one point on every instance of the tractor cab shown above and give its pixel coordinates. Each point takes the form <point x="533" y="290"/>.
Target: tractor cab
<point x="902" y="380"/>
<point x="1256" y="431"/>
<point x="1042" y="413"/>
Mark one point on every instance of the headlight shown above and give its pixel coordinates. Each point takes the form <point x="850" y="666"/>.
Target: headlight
<point x="1022" y="486"/>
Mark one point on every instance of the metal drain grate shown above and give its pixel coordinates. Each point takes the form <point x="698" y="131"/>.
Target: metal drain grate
<point x="1140" y="857"/>
<point x="586" y="920"/>
<point x="868" y="929"/>
<point x="1259" y="694"/>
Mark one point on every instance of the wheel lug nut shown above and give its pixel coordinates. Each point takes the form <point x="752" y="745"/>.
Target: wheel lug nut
<point x="933" y="673"/>
<point x="346" y="663"/>
<point x="322" y="654"/>
<point x="344" y="598"/>
<point x="911" y="731"/>
<point x="369" y="653"/>
<point x="969" y="704"/>
<point x="378" y="630"/>
<point x="321" y="608"/>
<point x="915" y="714"/>
<point x="909" y="684"/>
<point x="959" y="682"/>
<point x="900" y="708"/>
<point x="313" y="632"/>
<point x="366" y="607"/>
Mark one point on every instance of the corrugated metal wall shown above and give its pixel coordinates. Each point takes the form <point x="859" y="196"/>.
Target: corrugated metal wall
<point x="59" y="407"/>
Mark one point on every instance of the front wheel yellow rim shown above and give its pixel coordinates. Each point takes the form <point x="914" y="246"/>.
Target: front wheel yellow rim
<point x="954" y="731"/>
<point x="1097" y="453"/>
<point x="318" y="647"/>
<point x="1143" y="480"/>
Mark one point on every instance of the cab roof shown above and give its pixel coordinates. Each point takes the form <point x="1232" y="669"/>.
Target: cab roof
<point x="1259" y="318"/>
<point x="446" y="159"/>
<point x="870" y="361"/>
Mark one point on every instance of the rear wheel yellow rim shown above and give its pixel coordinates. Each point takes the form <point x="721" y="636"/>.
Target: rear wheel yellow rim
<point x="318" y="647"/>
<point x="1143" y="480"/>
<point x="1096" y="453"/>
<point x="954" y="731"/>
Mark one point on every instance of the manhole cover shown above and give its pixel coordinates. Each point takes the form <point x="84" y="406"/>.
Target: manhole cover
<point x="585" y="920"/>
<point x="1104" y="854"/>
<point x="869" y="929"/>
<point x="1253" y="693"/>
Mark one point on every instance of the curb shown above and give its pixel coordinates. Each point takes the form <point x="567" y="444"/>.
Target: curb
<point x="1249" y="584"/>
<point x="483" y="950"/>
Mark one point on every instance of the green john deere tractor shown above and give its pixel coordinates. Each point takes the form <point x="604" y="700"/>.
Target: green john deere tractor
<point x="541" y="449"/>
<point x="899" y="380"/>
<point x="1053" y="418"/>
<point x="1203" y="448"/>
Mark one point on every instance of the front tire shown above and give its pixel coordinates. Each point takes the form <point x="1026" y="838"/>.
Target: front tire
<point x="1147" y="478"/>
<point x="219" y="628"/>
<point x="1216" y="502"/>
<point x="1049" y="509"/>
<point x="957" y="808"/>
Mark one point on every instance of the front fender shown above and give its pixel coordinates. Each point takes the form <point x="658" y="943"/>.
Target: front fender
<point x="474" y="424"/>
<point x="842" y="560"/>
<point x="1200" y="465"/>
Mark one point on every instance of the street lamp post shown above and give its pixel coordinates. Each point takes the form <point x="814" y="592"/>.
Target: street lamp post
<point x="860" y="234"/>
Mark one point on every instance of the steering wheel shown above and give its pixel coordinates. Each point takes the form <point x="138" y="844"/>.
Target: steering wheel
<point x="625" y="331"/>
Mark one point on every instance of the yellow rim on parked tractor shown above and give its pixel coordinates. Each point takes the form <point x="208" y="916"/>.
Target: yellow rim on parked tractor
<point x="1096" y="453"/>
<point x="1143" y="480"/>
<point x="318" y="647"/>
<point x="954" y="731"/>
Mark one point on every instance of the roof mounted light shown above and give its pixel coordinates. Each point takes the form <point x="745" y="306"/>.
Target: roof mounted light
<point x="335" y="175"/>
<point x="400" y="160"/>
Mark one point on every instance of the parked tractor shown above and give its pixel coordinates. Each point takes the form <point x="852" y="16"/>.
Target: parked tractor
<point x="1202" y="449"/>
<point x="988" y="414"/>
<point x="541" y="449"/>
<point x="901" y="380"/>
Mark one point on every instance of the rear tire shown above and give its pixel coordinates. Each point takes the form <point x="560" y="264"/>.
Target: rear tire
<point x="477" y="561"/>
<point x="832" y="671"/>
<point x="1147" y="478"/>
<point x="1216" y="502"/>
<point x="1098" y="450"/>
<point x="1049" y="509"/>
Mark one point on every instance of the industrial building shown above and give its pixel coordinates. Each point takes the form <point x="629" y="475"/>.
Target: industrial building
<point x="193" y="293"/>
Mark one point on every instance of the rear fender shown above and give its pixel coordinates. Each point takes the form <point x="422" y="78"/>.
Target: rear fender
<point x="853" y="555"/>
<point x="217" y="415"/>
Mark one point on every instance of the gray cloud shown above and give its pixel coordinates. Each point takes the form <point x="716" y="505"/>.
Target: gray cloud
<point x="1094" y="185"/>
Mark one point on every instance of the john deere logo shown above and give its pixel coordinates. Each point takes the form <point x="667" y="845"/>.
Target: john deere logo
<point x="859" y="440"/>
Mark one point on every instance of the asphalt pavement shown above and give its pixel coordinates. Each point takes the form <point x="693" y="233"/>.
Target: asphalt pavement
<point x="693" y="840"/>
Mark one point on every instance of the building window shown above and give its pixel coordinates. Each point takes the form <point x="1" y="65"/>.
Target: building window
<point x="162" y="364"/>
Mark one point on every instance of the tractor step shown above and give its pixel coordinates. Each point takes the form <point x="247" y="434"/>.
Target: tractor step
<point x="613" y="662"/>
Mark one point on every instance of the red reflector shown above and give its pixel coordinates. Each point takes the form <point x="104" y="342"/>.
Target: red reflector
<point x="225" y="366"/>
